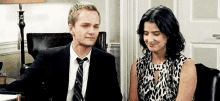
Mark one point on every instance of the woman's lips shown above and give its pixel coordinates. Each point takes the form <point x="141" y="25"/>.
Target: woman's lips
<point x="151" y="45"/>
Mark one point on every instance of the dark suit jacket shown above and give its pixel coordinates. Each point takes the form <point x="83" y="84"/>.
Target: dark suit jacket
<point x="52" y="68"/>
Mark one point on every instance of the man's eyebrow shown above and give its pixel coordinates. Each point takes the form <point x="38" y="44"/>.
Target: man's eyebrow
<point x="96" y="24"/>
<point x="85" y="23"/>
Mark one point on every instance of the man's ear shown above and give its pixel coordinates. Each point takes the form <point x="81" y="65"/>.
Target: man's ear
<point x="71" y="29"/>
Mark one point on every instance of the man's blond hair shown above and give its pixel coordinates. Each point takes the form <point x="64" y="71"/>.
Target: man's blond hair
<point x="73" y="13"/>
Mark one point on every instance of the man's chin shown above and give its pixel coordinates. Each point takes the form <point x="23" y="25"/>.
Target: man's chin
<point x="88" y="45"/>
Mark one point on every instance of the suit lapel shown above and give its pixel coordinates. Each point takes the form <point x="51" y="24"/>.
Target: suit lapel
<point x="64" y="68"/>
<point x="65" y="60"/>
<point x="92" y="73"/>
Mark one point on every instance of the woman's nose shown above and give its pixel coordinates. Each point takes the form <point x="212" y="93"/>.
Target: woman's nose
<point x="150" y="38"/>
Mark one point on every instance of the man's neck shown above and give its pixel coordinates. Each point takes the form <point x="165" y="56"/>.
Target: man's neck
<point x="80" y="50"/>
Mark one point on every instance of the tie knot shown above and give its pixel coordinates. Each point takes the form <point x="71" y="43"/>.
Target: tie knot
<point x="80" y="61"/>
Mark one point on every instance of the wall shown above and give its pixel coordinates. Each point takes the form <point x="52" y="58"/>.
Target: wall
<point x="114" y="21"/>
<point x="48" y="17"/>
<point x="39" y="18"/>
<point x="52" y="17"/>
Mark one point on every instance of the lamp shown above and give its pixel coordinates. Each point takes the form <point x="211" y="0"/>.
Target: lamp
<point x="21" y="23"/>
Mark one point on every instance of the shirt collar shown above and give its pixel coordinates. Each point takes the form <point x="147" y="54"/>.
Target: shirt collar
<point x="73" y="54"/>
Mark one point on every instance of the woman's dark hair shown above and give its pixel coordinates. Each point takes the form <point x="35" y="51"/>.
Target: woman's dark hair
<point x="168" y="24"/>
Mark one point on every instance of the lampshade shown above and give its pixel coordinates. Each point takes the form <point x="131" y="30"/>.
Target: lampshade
<point x="21" y="1"/>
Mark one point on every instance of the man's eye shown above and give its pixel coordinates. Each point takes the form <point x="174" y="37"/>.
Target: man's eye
<point x="96" y="26"/>
<point x="85" y="25"/>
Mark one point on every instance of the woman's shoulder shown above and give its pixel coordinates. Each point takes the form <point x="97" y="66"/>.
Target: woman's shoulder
<point x="180" y="60"/>
<point x="145" y="57"/>
<point x="186" y="63"/>
<point x="189" y="65"/>
<point x="141" y="58"/>
<point x="133" y="66"/>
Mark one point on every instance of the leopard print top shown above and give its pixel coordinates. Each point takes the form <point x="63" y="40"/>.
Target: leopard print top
<point x="166" y="88"/>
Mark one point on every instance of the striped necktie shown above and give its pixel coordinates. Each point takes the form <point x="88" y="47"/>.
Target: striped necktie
<point x="77" y="96"/>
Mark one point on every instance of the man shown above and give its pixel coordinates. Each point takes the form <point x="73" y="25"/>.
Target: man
<point x="92" y="79"/>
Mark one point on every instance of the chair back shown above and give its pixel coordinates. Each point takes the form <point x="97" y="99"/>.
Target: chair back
<point x="1" y="65"/>
<point x="208" y="84"/>
<point x="40" y="41"/>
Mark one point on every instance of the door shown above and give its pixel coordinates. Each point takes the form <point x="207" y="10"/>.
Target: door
<point x="199" y="20"/>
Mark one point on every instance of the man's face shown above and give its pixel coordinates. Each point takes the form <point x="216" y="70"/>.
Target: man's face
<point x="86" y="28"/>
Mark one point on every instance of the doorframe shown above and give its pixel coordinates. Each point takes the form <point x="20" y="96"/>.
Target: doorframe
<point x="129" y="45"/>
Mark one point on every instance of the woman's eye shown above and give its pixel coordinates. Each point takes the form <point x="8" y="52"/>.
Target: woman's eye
<point x="145" y="33"/>
<point x="157" y="33"/>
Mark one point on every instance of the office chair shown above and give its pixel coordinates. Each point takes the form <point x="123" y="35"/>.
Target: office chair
<point x="208" y="84"/>
<point x="40" y="41"/>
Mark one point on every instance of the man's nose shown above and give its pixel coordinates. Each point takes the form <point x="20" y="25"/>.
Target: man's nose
<point x="91" y="30"/>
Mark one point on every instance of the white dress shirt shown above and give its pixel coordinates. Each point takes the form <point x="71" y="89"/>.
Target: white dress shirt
<point x="73" y="71"/>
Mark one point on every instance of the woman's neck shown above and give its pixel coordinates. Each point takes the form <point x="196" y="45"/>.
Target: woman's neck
<point x="158" y="57"/>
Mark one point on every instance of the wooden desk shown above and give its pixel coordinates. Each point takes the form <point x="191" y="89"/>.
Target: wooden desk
<point x="4" y="80"/>
<point x="9" y="80"/>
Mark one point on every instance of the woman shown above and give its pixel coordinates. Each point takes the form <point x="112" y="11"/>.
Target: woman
<point x="163" y="73"/>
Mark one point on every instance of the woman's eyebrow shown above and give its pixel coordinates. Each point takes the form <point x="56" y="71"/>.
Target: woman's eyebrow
<point x="155" y="31"/>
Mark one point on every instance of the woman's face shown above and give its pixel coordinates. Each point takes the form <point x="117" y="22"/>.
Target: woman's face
<point x="153" y="38"/>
